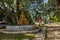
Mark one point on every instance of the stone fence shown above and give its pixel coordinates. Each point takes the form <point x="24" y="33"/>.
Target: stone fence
<point x="18" y="28"/>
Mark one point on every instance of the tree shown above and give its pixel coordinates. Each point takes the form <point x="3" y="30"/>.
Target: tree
<point x="7" y="9"/>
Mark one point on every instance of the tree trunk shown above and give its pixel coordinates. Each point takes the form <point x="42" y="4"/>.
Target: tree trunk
<point x="17" y="3"/>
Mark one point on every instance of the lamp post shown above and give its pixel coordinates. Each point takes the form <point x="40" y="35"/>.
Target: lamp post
<point x="45" y="28"/>
<point x="44" y="18"/>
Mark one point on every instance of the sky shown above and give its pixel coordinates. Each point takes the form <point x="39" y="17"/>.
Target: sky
<point x="45" y="0"/>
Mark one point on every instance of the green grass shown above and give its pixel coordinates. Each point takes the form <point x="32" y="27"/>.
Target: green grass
<point x="16" y="36"/>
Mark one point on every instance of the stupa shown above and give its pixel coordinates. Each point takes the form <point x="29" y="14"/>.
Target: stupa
<point x="23" y="20"/>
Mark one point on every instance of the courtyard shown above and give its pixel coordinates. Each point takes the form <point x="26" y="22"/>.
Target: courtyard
<point x="29" y="19"/>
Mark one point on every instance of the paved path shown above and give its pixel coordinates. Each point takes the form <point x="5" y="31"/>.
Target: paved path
<point x="53" y="33"/>
<point x="40" y="35"/>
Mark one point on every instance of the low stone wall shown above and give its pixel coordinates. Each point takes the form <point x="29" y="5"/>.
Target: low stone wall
<point x="18" y="32"/>
<point x="23" y="27"/>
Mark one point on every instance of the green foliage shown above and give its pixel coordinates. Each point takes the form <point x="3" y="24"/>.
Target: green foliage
<point x="57" y="14"/>
<point x="45" y="8"/>
<point x="10" y="19"/>
<point x="29" y="17"/>
<point x="10" y="1"/>
<point x="54" y="18"/>
<point x="52" y="2"/>
<point x="23" y="2"/>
